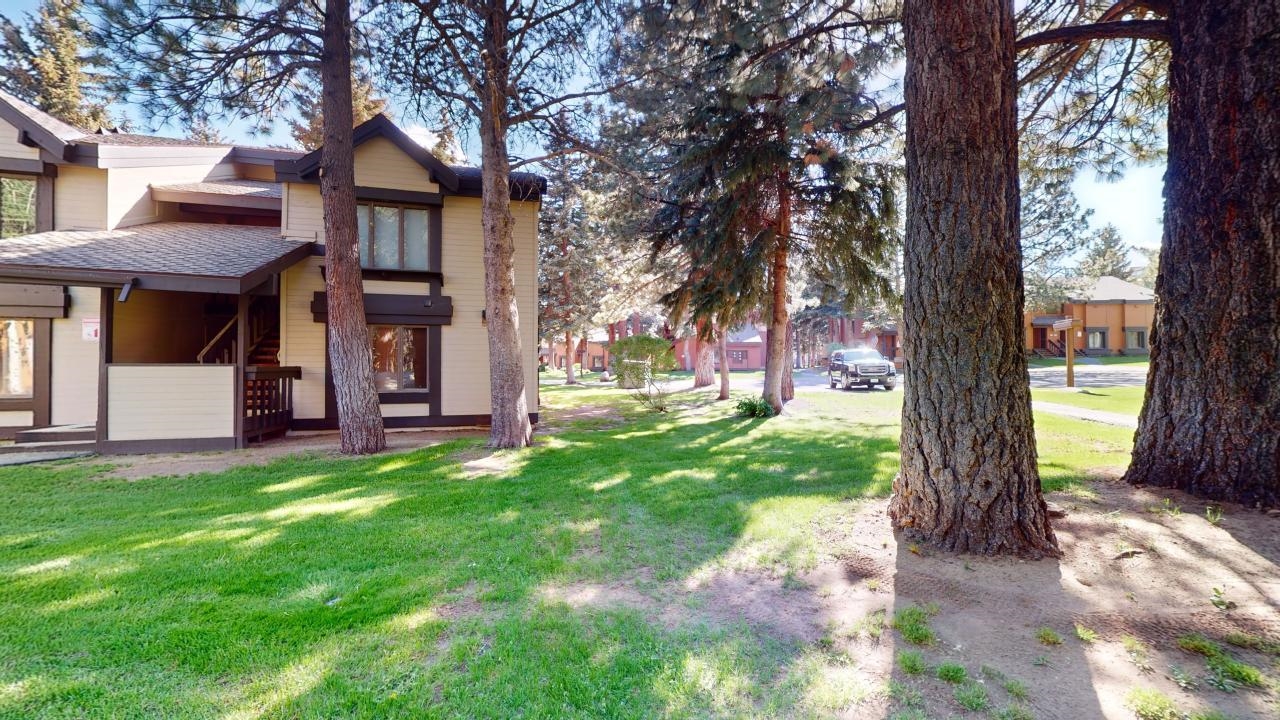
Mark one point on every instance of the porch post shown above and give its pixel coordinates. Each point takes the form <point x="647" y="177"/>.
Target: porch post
<point x="242" y="361"/>
<point x="106" y="312"/>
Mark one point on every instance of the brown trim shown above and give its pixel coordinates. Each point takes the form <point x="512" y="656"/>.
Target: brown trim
<point x="30" y="133"/>
<point x="169" y="445"/>
<point x="42" y="373"/>
<point x="394" y="309"/>
<point x="377" y="126"/>
<point x="242" y="361"/>
<point x="25" y="167"/>
<point x="390" y="275"/>
<point x="9" y="432"/>
<point x="44" y="202"/>
<point x="33" y="301"/>
<point x="17" y="404"/>
<point x="415" y="421"/>
<point x="228" y="210"/>
<point x="405" y="397"/>
<point x="434" y="373"/>
<point x="105" y="333"/>
<point x="399" y="197"/>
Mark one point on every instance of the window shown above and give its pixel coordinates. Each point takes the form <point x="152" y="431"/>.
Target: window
<point x="399" y="357"/>
<point x="17" y="358"/>
<point x="392" y="237"/>
<point x="17" y="206"/>
<point x="738" y="356"/>
<point x="1135" y="339"/>
<point x="1097" y="339"/>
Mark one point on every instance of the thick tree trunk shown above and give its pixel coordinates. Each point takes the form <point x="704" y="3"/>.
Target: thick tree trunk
<point x="776" y="364"/>
<point x="350" y="358"/>
<point x="969" y="481"/>
<point x="788" y="379"/>
<point x="704" y="372"/>
<point x="1210" y="424"/>
<point x="510" y="410"/>
<point x="722" y="348"/>
<point x="569" y="378"/>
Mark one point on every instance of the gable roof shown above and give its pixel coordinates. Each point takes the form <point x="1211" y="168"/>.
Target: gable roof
<point x="1112" y="289"/>
<point x="378" y="126"/>
<point x="38" y="128"/>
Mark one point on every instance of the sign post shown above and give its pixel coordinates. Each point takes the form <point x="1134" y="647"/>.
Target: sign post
<point x="1069" y="326"/>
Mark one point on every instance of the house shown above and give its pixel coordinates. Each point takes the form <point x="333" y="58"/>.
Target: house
<point x="590" y="352"/>
<point x="160" y="294"/>
<point x="1111" y="317"/>
<point x="854" y="330"/>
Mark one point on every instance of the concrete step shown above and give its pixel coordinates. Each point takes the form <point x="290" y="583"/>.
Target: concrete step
<point x="56" y="433"/>
<point x="52" y="446"/>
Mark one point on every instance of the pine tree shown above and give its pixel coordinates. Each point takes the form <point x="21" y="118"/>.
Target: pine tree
<point x="43" y="62"/>
<point x="308" y="129"/>
<point x="1107" y="255"/>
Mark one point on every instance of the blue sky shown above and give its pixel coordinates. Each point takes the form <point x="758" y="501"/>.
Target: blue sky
<point x="1133" y="204"/>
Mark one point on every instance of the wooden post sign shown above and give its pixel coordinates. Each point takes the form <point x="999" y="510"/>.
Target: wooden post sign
<point x="1068" y="324"/>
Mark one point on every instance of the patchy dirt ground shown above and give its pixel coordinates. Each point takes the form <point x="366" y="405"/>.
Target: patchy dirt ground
<point x="1132" y="566"/>
<point x="134" y="467"/>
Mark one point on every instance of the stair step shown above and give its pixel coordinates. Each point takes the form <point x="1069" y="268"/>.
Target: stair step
<point x="53" y="446"/>
<point x="56" y="433"/>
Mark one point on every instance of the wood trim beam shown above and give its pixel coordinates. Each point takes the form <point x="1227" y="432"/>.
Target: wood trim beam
<point x="106" y="312"/>
<point x="173" y="445"/>
<point x="42" y="373"/>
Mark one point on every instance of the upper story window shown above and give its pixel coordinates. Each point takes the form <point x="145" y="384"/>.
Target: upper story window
<point x="392" y="237"/>
<point x="17" y="206"/>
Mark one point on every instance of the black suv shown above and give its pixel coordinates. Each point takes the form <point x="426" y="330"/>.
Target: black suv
<point x="861" y="366"/>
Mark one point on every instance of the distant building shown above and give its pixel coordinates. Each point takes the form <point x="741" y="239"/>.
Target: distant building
<point x="1113" y="317"/>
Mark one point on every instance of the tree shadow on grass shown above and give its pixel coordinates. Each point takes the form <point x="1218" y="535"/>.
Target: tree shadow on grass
<point x="399" y="585"/>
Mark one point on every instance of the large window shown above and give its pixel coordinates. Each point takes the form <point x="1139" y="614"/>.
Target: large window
<point x="1135" y="339"/>
<point x="1097" y="339"/>
<point x="392" y="237"/>
<point x="17" y="358"/>
<point x="399" y="357"/>
<point x="17" y="206"/>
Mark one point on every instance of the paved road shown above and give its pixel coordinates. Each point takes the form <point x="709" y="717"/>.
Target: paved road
<point x="1090" y="376"/>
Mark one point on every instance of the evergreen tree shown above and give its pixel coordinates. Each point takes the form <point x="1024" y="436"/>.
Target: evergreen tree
<point x="308" y="129"/>
<point x="43" y="61"/>
<point x="1107" y="255"/>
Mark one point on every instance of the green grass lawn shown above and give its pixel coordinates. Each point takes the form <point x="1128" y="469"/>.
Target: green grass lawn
<point x="1124" y="400"/>
<point x="1134" y="360"/>
<point x="406" y="586"/>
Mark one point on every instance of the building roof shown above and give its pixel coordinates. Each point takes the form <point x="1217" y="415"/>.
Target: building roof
<point x="744" y="335"/>
<point x="164" y="256"/>
<point x="139" y="140"/>
<point x="238" y="188"/>
<point x="1047" y="320"/>
<point x="1114" y="290"/>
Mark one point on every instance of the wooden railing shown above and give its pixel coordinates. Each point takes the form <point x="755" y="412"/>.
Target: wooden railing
<point x="263" y="319"/>
<point x="268" y="400"/>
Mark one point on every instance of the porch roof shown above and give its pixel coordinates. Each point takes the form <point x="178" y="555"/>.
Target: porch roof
<point x="191" y="257"/>
<point x="1047" y="320"/>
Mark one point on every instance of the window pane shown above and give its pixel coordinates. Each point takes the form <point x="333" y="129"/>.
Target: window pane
<point x="399" y="357"/>
<point x="362" y="228"/>
<point x="17" y="358"/>
<point x="386" y="237"/>
<point x="17" y="206"/>
<point x="415" y="239"/>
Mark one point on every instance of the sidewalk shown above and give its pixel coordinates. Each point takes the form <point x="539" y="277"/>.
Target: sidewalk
<point x="1100" y="416"/>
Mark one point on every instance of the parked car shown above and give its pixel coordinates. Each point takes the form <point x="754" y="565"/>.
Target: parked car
<point x="861" y="366"/>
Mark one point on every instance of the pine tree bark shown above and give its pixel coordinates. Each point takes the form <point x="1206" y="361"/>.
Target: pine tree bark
<point x="788" y="379"/>
<point x="968" y="481"/>
<point x="722" y="349"/>
<point x="1210" y="423"/>
<point x="704" y="372"/>
<point x="350" y="359"/>
<point x="569" y="378"/>
<point x="775" y="360"/>
<point x="509" y="409"/>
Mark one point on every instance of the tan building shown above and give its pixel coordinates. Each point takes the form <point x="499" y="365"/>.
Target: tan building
<point x="1113" y="317"/>
<point x="165" y="294"/>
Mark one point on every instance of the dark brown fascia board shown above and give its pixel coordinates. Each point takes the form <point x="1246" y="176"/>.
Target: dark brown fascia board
<point x="25" y="167"/>
<point x="228" y="210"/>
<point x="215" y="199"/>
<point x="385" y="309"/>
<point x="30" y="133"/>
<point x="378" y="126"/>
<point x="519" y="191"/>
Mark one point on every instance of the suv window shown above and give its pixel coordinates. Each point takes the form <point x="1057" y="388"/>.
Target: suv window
<point x="865" y="356"/>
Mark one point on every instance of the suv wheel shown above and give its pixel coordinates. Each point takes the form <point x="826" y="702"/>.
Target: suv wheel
<point x="832" y="378"/>
<point x="890" y="385"/>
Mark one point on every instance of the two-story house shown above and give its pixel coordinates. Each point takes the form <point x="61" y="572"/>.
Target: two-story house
<point x="162" y="294"/>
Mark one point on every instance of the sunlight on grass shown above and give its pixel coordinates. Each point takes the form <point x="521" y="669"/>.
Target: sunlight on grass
<point x="331" y="504"/>
<point x="295" y="484"/>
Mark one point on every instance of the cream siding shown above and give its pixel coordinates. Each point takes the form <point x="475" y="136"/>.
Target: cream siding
<point x="17" y="418"/>
<point x="465" y="343"/>
<point x="302" y="338"/>
<point x="11" y="148"/>
<point x="80" y="198"/>
<point x="405" y="410"/>
<point x="379" y="163"/>
<point x="74" y="375"/>
<point x="162" y="402"/>
<point x="129" y="189"/>
<point x="302" y="214"/>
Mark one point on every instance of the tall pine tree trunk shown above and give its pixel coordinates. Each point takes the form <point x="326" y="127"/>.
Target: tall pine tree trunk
<point x="569" y="378"/>
<point x="775" y="356"/>
<point x="1210" y="424"/>
<point x="968" y="481"/>
<point x="788" y="379"/>
<point x="704" y="372"/>
<point x="350" y="358"/>
<point x="722" y="348"/>
<point x="510" y="410"/>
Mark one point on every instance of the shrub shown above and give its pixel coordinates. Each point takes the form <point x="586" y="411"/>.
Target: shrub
<point x="1084" y="634"/>
<point x="1014" y="711"/>
<point x="653" y="395"/>
<point x="1244" y="674"/>
<point x="1047" y="636"/>
<point x="911" y="662"/>
<point x="639" y="356"/>
<point x="1200" y="645"/>
<point x="754" y="407"/>
<point x="1148" y="704"/>
<point x="913" y="623"/>
<point x="952" y="673"/>
<point x="972" y="696"/>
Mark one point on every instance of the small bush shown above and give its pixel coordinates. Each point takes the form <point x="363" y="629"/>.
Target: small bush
<point x="1138" y="652"/>
<point x="1148" y="704"/>
<point x="1047" y="636"/>
<point x="1016" y="689"/>
<point x="1085" y="635"/>
<point x="913" y="623"/>
<point x="952" y="673"/>
<point x="754" y="407"/>
<point x="1233" y="670"/>
<point x="1210" y="715"/>
<point x="1253" y="642"/>
<point x="1014" y="711"/>
<point x="1200" y="645"/>
<point x="972" y="696"/>
<point x="911" y="662"/>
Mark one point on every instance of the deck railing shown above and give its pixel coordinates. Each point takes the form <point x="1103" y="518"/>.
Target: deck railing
<point x="268" y="400"/>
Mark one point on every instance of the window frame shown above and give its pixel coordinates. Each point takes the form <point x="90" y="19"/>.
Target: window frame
<point x="400" y="208"/>
<point x="407" y="395"/>
<point x="1102" y="343"/>
<point x="26" y="402"/>
<point x="1141" y="335"/>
